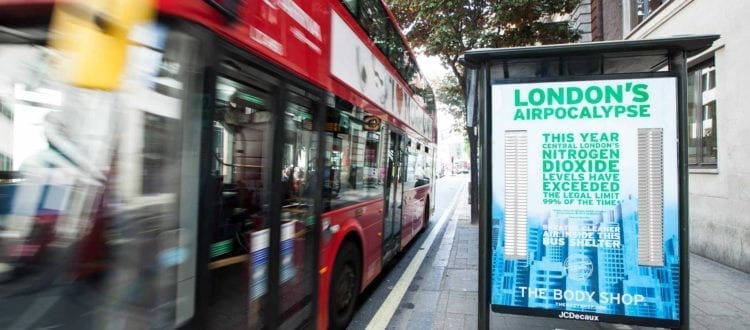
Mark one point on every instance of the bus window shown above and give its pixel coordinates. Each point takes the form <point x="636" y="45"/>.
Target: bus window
<point x="92" y="199"/>
<point x="240" y="152"/>
<point x="419" y="169"/>
<point x="353" y="152"/>
<point x="298" y="190"/>
<point x="428" y="165"/>
<point x="411" y="164"/>
<point x="394" y="192"/>
<point x="422" y="168"/>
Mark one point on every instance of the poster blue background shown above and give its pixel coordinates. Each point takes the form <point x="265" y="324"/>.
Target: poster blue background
<point x="593" y="276"/>
<point x="614" y="270"/>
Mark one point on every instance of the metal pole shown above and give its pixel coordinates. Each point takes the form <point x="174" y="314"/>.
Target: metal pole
<point x="483" y="199"/>
<point x="678" y="65"/>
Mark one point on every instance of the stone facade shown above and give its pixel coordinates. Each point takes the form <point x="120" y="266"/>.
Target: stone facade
<point x="719" y="194"/>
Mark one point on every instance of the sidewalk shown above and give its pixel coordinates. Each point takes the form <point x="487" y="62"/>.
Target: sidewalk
<point x="443" y="295"/>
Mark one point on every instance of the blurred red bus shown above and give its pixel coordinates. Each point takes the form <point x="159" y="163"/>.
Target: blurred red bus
<point x="238" y="128"/>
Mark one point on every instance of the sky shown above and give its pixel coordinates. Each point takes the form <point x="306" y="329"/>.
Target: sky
<point x="450" y="143"/>
<point x="431" y="68"/>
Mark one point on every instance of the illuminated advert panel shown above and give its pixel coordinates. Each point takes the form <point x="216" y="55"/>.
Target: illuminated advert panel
<point x="584" y="200"/>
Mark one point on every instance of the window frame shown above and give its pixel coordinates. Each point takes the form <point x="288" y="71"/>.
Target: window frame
<point x="702" y="95"/>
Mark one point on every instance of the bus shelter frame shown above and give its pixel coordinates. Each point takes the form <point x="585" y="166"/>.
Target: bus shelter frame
<point x="647" y="58"/>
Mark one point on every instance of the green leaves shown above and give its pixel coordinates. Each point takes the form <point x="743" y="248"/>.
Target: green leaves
<point x="449" y="94"/>
<point x="447" y="28"/>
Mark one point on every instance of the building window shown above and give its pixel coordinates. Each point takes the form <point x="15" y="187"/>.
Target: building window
<point x="702" y="129"/>
<point x="640" y="9"/>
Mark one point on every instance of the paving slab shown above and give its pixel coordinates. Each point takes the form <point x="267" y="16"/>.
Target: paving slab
<point x="445" y="295"/>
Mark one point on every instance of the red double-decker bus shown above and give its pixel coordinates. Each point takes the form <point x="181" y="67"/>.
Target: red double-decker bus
<point x="222" y="164"/>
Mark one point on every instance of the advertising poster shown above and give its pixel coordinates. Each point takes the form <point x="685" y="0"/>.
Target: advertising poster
<point x="585" y="200"/>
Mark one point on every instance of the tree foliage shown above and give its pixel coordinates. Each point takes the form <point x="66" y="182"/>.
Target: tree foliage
<point x="448" y="28"/>
<point x="449" y="94"/>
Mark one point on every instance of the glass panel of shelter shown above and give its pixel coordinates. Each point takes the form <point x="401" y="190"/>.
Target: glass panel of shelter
<point x="582" y="65"/>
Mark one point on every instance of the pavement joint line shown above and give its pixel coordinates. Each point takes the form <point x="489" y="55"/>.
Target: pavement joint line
<point x="384" y="314"/>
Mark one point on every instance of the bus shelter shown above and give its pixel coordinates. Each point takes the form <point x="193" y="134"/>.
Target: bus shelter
<point x="583" y="180"/>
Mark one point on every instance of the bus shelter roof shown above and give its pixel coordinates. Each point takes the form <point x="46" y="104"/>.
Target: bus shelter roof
<point x="648" y="52"/>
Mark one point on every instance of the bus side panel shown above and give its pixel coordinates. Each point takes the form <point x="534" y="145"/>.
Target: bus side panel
<point x="272" y="31"/>
<point x="414" y="203"/>
<point x="407" y="221"/>
<point x="422" y="195"/>
<point x="407" y="217"/>
<point x="371" y="221"/>
<point x="365" y="220"/>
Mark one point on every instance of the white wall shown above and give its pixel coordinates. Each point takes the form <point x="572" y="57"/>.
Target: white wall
<point x="719" y="199"/>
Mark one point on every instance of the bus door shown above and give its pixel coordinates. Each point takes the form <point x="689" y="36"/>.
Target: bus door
<point x="393" y="196"/>
<point x="262" y="262"/>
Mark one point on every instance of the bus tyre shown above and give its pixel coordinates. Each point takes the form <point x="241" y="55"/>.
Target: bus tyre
<point x="345" y="283"/>
<point x="425" y="216"/>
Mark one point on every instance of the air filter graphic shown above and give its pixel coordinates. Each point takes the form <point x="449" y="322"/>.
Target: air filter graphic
<point x="650" y="197"/>
<point x="516" y="195"/>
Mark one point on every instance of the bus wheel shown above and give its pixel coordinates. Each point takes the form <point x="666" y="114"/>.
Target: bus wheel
<point x="345" y="282"/>
<point x="426" y="216"/>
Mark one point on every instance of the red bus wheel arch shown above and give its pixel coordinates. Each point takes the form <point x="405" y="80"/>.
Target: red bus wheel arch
<point x="354" y="237"/>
